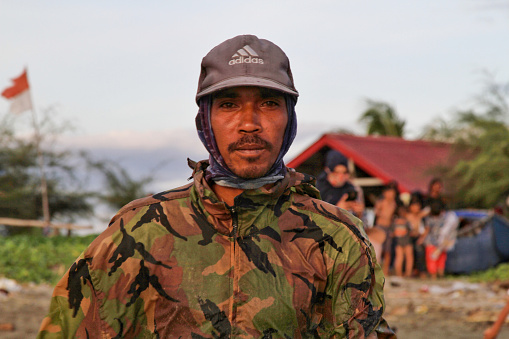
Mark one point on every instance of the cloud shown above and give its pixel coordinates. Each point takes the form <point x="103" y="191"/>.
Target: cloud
<point x="185" y="140"/>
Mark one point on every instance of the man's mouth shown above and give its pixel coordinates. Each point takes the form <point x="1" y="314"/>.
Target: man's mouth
<point x="250" y="146"/>
<point x="250" y="150"/>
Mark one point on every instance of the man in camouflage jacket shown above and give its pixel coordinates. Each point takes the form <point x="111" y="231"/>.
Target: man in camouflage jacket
<point x="247" y="250"/>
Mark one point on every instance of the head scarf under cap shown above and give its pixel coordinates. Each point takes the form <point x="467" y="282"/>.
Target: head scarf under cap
<point x="219" y="172"/>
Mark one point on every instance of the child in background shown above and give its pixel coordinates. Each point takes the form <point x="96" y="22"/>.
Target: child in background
<point x="440" y="239"/>
<point x="404" y="251"/>
<point x="435" y="259"/>
<point x="415" y="217"/>
<point x="385" y="207"/>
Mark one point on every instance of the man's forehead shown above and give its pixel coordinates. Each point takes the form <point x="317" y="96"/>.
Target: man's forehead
<point x="234" y="92"/>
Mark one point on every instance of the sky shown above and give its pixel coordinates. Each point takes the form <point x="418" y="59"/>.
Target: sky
<point x="125" y="73"/>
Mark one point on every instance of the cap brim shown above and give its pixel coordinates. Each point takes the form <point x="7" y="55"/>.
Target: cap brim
<point x="246" y="81"/>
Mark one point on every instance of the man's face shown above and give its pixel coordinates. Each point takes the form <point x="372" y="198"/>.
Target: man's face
<point x="339" y="176"/>
<point x="249" y="126"/>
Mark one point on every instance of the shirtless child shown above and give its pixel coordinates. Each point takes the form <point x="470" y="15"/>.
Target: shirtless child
<point x="385" y="207"/>
<point x="403" y="243"/>
<point x="418" y="233"/>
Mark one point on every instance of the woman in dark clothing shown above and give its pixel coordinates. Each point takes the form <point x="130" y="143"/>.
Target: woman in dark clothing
<point x="335" y="186"/>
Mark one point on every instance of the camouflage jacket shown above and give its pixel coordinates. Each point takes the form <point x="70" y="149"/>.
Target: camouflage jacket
<point x="180" y="264"/>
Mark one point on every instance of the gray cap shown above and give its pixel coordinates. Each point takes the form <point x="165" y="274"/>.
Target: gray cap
<point x="245" y="61"/>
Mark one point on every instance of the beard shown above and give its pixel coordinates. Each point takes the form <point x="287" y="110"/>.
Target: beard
<point x="253" y="167"/>
<point x="252" y="172"/>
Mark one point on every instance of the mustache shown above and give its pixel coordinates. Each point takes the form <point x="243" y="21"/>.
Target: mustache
<point x="250" y="140"/>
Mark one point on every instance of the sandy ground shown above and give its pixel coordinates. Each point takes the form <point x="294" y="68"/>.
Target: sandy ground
<point x="451" y="309"/>
<point x="24" y="310"/>
<point x="415" y="308"/>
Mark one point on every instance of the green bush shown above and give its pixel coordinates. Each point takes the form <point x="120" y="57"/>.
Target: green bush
<point x="498" y="273"/>
<point x="38" y="259"/>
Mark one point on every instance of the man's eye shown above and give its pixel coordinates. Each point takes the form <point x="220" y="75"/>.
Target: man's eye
<point x="227" y="105"/>
<point x="271" y="103"/>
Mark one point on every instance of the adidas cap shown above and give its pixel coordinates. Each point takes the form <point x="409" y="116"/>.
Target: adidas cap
<point x="245" y="61"/>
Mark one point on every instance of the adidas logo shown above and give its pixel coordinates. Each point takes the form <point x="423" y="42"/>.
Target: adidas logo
<point x="245" y="55"/>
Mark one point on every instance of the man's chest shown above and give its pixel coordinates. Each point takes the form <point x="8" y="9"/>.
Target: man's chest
<point x="266" y="282"/>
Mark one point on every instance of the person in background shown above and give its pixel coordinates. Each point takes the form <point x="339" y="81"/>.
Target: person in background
<point x="443" y="226"/>
<point x="335" y="186"/>
<point x="436" y="256"/>
<point x="385" y="207"/>
<point x="434" y="199"/>
<point x="418" y="232"/>
<point x="402" y="243"/>
<point x="435" y="259"/>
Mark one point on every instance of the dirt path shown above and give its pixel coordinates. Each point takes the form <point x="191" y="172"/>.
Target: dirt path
<point x="423" y="309"/>
<point x="418" y="309"/>
<point x="25" y="310"/>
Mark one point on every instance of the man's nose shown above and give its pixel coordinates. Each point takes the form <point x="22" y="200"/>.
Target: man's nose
<point x="249" y="119"/>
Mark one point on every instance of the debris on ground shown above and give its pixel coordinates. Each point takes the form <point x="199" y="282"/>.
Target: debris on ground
<point x="425" y="308"/>
<point x="6" y="327"/>
<point x="8" y="285"/>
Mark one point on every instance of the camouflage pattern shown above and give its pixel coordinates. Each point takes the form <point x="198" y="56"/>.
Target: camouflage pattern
<point x="280" y="263"/>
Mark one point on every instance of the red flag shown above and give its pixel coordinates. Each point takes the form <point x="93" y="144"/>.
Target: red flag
<point x="19" y="94"/>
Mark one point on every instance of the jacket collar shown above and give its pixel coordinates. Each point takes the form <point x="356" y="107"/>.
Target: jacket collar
<point x="254" y="208"/>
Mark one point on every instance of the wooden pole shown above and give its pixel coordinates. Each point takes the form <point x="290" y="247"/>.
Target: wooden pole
<point x="40" y="161"/>
<point x="39" y="223"/>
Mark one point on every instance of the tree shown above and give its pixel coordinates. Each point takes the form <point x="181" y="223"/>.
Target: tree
<point x="69" y="192"/>
<point x="483" y="179"/>
<point x="441" y="130"/>
<point x="120" y="188"/>
<point x="381" y="118"/>
<point x="20" y="193"/>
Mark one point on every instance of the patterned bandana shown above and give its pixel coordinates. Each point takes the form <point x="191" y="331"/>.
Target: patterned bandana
<point x="219" y="172"/>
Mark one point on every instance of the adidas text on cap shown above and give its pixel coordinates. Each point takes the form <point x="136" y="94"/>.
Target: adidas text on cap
<point x="245" y="61"/>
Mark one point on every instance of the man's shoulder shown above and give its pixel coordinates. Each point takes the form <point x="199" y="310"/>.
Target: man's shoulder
<point x="330" y="217"/>
<point x="135" y="215"/>
<point x="165" y="196"/>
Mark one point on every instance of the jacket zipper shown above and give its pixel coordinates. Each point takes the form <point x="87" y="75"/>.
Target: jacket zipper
<point x="235" y="222"/>
<point x="235" y="225"/>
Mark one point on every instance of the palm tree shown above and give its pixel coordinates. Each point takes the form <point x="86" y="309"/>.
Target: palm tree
<point x="441" y="130"/>
<point x="381" y="119"/>
<point x="481" y="180"/>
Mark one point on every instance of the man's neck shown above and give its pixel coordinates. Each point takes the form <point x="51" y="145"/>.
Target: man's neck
<point x="226" y="194"/>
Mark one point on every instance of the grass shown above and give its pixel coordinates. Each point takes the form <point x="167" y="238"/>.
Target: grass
<point x="497" y="273"/>
<point x="39" y="259"/>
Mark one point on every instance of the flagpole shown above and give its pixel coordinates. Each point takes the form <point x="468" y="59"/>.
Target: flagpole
<point x="40" y="160"/>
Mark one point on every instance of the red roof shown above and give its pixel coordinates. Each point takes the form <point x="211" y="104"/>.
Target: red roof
<point x="409" y="162"/>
